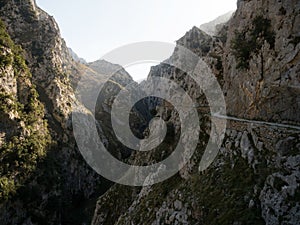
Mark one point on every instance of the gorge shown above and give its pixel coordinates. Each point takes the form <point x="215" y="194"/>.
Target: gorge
<point x="255" y="178"/>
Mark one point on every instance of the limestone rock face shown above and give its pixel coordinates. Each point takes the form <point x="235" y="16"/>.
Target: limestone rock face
<point x="63" y="184"/>
<point x="268" y="87"/>
<point x="255" y="178"/>
<point x="100" y="83"/>
<point x="46" y="54"/>
<point x="24" y="133"/>
<point x="62" y="187"/>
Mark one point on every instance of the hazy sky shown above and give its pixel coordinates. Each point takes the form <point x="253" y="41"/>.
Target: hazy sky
<point x="94" y="27"/>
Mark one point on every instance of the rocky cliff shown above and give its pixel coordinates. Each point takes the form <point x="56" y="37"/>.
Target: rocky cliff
<point x="261" y="67"/>
<point x="24" y="133"/>
<point x="42" y="181"/>
<point x="52" y="68"/>
<point x="255" y="178"/>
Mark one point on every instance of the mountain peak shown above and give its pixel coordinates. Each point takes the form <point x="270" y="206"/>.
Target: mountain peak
<point x="76" y="57"/>
<point x="212" y="27"/>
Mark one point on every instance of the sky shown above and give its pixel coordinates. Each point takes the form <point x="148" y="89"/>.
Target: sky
<point x="93" y="28"/>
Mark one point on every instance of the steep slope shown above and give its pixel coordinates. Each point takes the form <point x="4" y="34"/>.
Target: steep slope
<point x="62" y="187"/>
<point x="23" y="129"/>
<point x="62" y="177"/>
<point x="256" y="176"/>
<point x="105" y="80"/>
<point x="54" y="185"/>
<point x="261" y="68"/>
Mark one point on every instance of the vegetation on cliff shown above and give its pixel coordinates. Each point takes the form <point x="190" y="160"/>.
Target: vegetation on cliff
<point x="248" y="41"/>
<point x="27" y="144"/>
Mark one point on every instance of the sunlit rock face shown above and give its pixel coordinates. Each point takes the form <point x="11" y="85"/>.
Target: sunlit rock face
<point x="62" y="186"/>
<point x="267" y="85"/>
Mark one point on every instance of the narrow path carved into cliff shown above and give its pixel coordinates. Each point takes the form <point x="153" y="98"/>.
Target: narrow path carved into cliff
<point x="288" y="126"/>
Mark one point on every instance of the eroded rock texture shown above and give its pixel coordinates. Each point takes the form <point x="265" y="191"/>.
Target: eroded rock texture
<point x="255" y="178"/>
<point x="54" y="185"/>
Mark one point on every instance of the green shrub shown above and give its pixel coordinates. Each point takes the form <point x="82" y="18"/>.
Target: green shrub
<point x="8" y="103"/>
<point x="263" y="29"/>
<point x="5" y="60"/>
<point x="250" y="41"/>
<point x="7" y="186"/>
<point x="242" y="50"/>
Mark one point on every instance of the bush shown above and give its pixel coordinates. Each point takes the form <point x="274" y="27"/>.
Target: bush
<point x="5" y="60"/>
<point x="263" y="29"/>
<point x="242" y="49"/>
<point x="7" y="187"/>
<point x="250" y="41"/>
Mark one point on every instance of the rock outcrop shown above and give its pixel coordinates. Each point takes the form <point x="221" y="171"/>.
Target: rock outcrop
<point x="213" y="27"/>
<point x="62" y="176"/>
<point x="24" y="135"/>
<point x="255" y="178"/>
<point x="60" y="186"/>
<point x="263" y="43"/>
